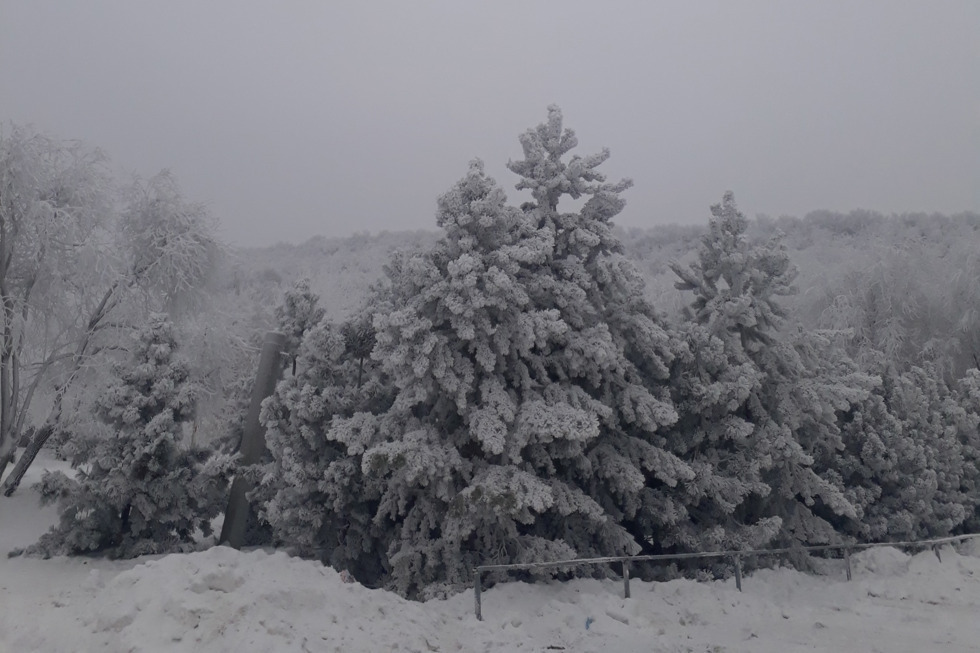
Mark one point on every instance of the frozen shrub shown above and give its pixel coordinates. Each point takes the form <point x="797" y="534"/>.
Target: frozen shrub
<point x="138" y="490"/>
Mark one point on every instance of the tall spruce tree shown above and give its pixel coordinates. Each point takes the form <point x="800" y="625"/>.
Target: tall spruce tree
<point x="762" y="402"/>
<point x="138" y="490"/>
<point x="529" y="380"/>
<point x="632" y="470"/>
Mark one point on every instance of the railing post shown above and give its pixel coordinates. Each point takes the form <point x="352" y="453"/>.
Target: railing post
<point x="738" y="572"/>
<point x="847" y="561"/>
<point x="476" y="595"/>
<point x="626" y="578"/>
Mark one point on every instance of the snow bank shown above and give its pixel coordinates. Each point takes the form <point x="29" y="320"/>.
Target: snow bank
<point x="225" y="600"/>
<point x="882" y="560"/>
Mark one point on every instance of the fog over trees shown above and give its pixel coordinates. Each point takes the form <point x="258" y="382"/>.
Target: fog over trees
<point x="83" y="260"/>
<point x="528" y="383"/>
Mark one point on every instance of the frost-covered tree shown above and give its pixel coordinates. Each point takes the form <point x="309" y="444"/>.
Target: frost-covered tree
<point x="168" y="244"/>
<point x="298" y="313"/>
<point x="910" y="461"/>
<point x="968" y="428"/>
<point x="163" y="251"/>
<point x="714" y="436"/>
<point x="54" y="202"/>
<point x="314" y="494"/>
<point x="600" y="295"/>
<point x="359" y="342"/>
<point x="871" y="468"/>
<point x="762" y="401"/>
<point x="137" y="490"/>
<point x="529" y="380"/>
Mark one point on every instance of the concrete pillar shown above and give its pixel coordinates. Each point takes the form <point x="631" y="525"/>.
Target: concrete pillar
<point x="253" y="449"/>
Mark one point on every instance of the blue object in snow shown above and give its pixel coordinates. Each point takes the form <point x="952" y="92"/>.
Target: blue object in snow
<point x="588" y="622"/>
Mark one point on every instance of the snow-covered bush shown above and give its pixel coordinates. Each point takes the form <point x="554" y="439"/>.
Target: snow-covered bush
<point x="910" y="461"/>
<point x="138" y="490"/>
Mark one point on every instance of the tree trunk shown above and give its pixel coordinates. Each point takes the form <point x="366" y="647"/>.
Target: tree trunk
<point x="40" y="437"/>
<point x="5" y="459"/>
<point x="43" y="433"/>
<point x="7" y="401"/>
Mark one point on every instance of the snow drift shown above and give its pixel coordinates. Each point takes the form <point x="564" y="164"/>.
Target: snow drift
<point x="225" y="600"/>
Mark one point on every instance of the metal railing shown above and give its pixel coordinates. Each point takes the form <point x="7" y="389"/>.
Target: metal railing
<point x="736" y="557"/>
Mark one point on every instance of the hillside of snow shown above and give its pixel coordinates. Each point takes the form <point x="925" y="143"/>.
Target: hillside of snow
<point x="225" y="600"/>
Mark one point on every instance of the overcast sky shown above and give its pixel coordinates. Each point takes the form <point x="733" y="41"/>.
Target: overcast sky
<point x="292" y="119"/>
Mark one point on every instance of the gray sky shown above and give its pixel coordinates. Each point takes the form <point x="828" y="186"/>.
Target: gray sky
<point x="292" y="119"/>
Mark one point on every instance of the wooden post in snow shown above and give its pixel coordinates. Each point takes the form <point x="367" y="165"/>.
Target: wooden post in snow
<point x="738" y="572"/>
<point x="477" y="602"/>
<point x="626" y="578"/>
<point x="253" y="449"/>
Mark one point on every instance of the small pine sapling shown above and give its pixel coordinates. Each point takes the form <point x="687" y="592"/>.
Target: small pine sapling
<point x="138" y="490"/>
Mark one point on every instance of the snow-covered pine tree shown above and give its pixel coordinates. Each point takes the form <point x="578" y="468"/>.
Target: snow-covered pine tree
<point x="299" y="312"/>
<point x="762" y="403"/>
<point x="600" y="293"/>
<point x="910" y="457"/>
<point x="524" y="427"/>
<point x="714" y="437"/>
<point x="138" y="490"/>
<point x="968" y="394"/>
<point x="942" y="423"/>
<point x="313" y="494"/>
<point x="870" y="469"/>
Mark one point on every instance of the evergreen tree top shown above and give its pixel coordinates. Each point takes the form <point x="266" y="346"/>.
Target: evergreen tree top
<point x="154" y="381"/>
<point x="736" y="283"/>
<point x="548" y="177"/>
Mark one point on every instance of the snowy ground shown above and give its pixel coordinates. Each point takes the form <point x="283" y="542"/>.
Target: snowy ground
<point x="224" y="600"/>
